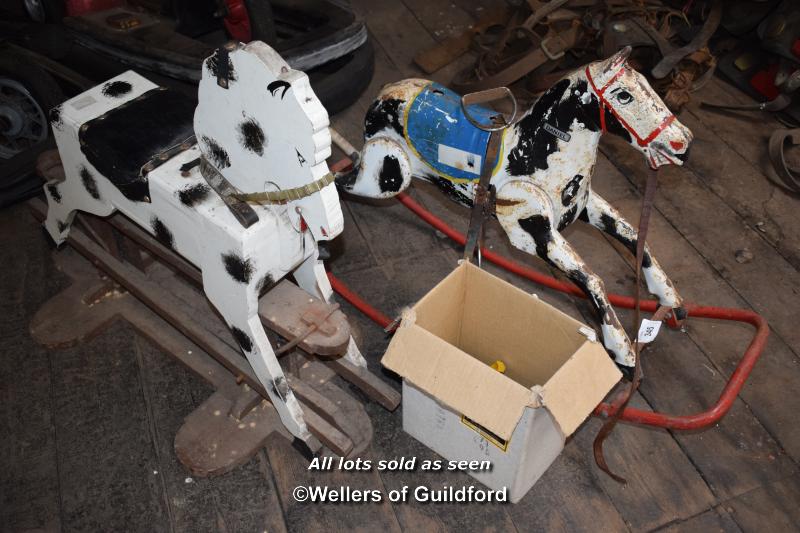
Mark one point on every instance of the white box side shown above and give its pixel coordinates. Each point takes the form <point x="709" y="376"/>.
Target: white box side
<point x="534" y="445"/>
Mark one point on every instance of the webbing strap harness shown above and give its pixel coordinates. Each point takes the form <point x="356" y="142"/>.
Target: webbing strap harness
<point x="287" y="195"/>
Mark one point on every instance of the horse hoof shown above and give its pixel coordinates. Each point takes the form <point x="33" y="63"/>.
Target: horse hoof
<point x="627" y="372"/>
<point x="678" y="317"/>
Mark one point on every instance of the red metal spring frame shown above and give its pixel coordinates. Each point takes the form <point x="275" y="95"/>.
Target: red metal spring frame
<point x="695" y="421"/>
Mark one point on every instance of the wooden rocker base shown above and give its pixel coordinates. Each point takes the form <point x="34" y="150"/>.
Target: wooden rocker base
<point x="162" y="305"/>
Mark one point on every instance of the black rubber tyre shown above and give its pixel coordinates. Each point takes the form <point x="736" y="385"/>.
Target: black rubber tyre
<point x="47" y="94"/>
<point x="339" y="83"/>
<point x="262" y="21"/>
<point x="46" y="11"/>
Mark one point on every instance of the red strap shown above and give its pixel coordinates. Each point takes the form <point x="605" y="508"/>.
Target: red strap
<point x="606" y="104"/>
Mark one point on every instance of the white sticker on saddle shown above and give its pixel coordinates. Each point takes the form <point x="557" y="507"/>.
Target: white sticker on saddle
<point x="648" y="330"/>
<point x="460" y="159"/>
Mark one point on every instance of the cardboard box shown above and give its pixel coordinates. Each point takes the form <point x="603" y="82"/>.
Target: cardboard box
<point x="456" y="404"/>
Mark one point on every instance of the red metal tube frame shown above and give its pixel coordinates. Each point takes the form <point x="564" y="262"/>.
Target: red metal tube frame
<point x="695" y="421"/>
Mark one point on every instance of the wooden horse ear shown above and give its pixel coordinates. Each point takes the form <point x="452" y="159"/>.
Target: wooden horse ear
<point x="614" y="62"/>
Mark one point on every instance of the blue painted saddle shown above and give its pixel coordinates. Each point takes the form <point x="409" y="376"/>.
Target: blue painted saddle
<point x="443" y="138"/>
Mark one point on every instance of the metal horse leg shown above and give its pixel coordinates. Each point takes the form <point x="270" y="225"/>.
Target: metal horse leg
<point x="606" y="218"/>
<point x="526" y="214"/>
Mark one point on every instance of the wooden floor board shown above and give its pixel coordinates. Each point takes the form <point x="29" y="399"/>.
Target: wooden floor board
<point x="768" y="283"/>
<point x="743" y="184"/>
<point x="246" y="500"/>
<point x="662" y="482"/>
<point x="772" y="507"/>
<point x="292" y="470"/>
<point x="29" y="483"/>
<point x="716" y="520"/>
<point x="722" y="342"/>
<point x="106" y="456"/>
<point x="680" y="376"/>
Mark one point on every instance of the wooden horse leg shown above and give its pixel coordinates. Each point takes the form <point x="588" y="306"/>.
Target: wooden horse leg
<point x="312" y="278"/>
<point x="59" y="217"/>
<point x="78" y="190"/>
<point x="606" y="218"/>
<point x="237" y="302"/>
<point x="526" y="214"/>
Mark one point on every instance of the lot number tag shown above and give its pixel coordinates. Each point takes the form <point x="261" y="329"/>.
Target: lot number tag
<point x="648" y="330"/>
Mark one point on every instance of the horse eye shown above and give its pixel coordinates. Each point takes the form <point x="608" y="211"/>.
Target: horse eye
<point x="624" y="97"/>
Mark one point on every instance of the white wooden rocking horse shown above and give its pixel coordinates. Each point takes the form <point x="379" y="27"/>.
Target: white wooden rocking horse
<point x="129" y="145"/>
<point x="541" y="170"/>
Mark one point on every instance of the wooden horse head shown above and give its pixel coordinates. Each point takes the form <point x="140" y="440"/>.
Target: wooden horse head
<point x="629" y="107"/>
<point x="259" y="123"/>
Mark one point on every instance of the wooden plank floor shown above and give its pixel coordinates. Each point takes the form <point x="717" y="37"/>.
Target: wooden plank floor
<point x="88" y="431"/>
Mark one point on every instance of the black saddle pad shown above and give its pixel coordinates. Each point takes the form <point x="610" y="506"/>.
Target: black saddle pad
<point x="119" y="143"/>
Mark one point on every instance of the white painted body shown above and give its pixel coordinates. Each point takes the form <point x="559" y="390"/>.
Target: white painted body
<point x="206" y="232"/>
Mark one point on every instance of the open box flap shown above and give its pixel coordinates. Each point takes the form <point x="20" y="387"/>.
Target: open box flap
<point x="579" y="385"/>
<point x="461" y="382"/>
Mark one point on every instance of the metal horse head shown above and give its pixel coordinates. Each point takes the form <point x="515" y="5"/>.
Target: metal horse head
<point x="629" y="107"/>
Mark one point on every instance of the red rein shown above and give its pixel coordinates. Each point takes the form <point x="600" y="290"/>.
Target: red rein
<point x="604" y="103"/>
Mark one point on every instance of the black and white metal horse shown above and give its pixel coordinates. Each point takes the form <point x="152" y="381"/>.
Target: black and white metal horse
<point x="542" y="176"/>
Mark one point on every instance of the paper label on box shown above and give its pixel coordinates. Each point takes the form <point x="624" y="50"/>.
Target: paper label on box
<point x="648" y="330"/>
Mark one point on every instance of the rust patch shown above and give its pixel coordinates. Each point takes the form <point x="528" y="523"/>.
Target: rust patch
<point x="507" y="203"/>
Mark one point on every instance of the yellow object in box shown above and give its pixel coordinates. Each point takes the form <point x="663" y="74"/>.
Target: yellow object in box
<point x="500" y="366"/>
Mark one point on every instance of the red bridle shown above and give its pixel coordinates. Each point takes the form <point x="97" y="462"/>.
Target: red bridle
<point x="642" y="141"/>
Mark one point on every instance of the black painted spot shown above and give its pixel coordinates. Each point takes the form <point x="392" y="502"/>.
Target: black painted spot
<point x="216" y="153"/>
<point x="280" y="388"/>
<point x="62" y="226"/>
<point x="538" y="227"/>
<point x="383" y="114"/>
<point x="535" y="144"/>
<point x="55" y="194"/>
<point x="116" y="89"/>
<point x="450" y="189"/>
<point x="212" y="64"/>
<point x="568" y="217"/>
<point x="265" y="283"/>
<point x="252" y="136"/>
<point x="239" y="269"/>
<point x="559" y="106"/>
<point x="609" y="225"/>
<point x="277" y="85"/>
<point x="581" y="279"/>
<point x="162" y="233"/>
<point x="242" y="339"/>
<point x="194" y="194"/>
<point x="300" y="157"/>
<point x="615" y="126"/>
<point x="89" y="183"/>
<point x="584" y="216"/>
<point x="55" y="117"/>
<point x="390" y="178"/>
<point x="571" y="189"/>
